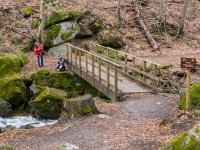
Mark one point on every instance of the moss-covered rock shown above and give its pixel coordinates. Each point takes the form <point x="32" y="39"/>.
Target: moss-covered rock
<point x="48" y="103"/>
<point x="59" y="50"/>
<point x="110" y="38"/>
<point x="84" y="33"/>
<point x="186" y="141"/>
<point x="60" y="33"/>
<point x="34" y="24"/>
<point x="9" y="64"/>
<point x="6" y="147"/>
<point x="4" y="109"/>
<point x="22" y="58"/>
<point x="194" y="98"/>
<point x="96" y="26"/>
<point x="13" y="90"/>
<point x="26" y="12"/>
<point x="80" y="105"/>
<point x="67" y="81"/>
<point x="58" y="17"/>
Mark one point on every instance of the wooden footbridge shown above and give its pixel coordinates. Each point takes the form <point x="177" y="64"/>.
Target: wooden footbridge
<point x="112" y="72"/>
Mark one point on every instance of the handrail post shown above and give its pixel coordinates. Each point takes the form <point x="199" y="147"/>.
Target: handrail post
<point x="125" y="63"/>
<point x="93" y="70"/>
<point x="71" y="54"/>
<point x="99" y="68"/>
<point x="107" y="74"/>
<point x="133" y="65"/>
<point x="155" y="72"/>
<point x="75" y="57"/>
<point x="116" y="55"/>
<point x="144" y="69"/>
<point x="86" y="62"/>
<point x="116" y="85"/>
<point x="80" y="63"/>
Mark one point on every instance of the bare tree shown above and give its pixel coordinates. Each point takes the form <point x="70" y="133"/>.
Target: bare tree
<point x="42" y="22"/>
<point x="161" y="10"/>
<point x="118" y="12"/>
<point x="183" y="17"/>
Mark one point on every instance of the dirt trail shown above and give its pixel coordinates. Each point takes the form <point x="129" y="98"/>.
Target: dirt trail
<point x="129" y="125"/>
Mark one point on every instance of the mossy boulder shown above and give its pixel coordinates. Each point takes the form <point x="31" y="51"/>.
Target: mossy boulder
<point x="6" y="147"/>
<point x="9" y="65"/>
<point x="48" y="103"/>
<point x="60" y="33"/>
<point x="58" y="17"/>
<point x="22" y="58"/>
<point x="84" y="33"/>
<point x="80" y="105"/>
<point x="13" y="90"/>
<point x="26" y="12"/>
<point x="59" y="50"/>
<point x="4" y="109"/>
<point x="67" y="81"/>
<point x="194" y="98"/>
<point x="96" y="26"/>
<point x="110" y="39"/>
<point x="189" y="140"/>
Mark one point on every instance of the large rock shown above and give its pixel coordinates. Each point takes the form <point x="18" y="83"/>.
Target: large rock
<point x="110" y="39"/>
<point x="58" y="17"/>
<point x="194" y="98"/>
<point x="189" y="140"/>
<point x="48" y="103"/>
<point x="84" y="33"/>
<point x="59" y="50"/>
<point x="13" y="90"/>
<point x="26" y="12"/>
<point x="4" y="109"/>
<point x="60" y="33"/>
<point x="80" y="105"/>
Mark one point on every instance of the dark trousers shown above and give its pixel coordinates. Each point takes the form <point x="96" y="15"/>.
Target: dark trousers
<point x="40" y="60"/>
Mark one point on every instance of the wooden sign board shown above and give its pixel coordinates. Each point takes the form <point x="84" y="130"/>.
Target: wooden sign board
<point x="189" y="63"/>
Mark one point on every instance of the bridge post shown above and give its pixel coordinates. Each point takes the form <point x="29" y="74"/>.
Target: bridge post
<point x="80" y="63"/>
<point x="93" y="70"/>
<point x="107" y="74"/>
<point x="116" y="83"/>
<point x="99" y="68"/>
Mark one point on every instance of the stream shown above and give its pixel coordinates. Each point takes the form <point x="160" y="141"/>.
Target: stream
<point x="24" y="122"/>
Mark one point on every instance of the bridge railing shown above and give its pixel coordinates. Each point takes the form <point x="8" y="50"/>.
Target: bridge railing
<point x="91" y="64"/>
<point x="134" y="67"/>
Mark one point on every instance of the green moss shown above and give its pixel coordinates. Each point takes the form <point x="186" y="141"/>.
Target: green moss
<point x="28" y="47"/>
<point x="9" y="65"/>
<point x="1" y="130"/>
<point x="60" y="6"/>
<point x="62" y="16"/>
<point x="26" y="12"/>
<point x="174" y="31"/>
<point x="52" y="33"/>
<point x="130" y="37"/>
<point x="6" y="147"/>
<point x="22" y="58"/>
<point x="194" y="98"/>
<point x="179" y="143"/>
<point x="13" y="90"/>
<point x="66" y="36"/>
<point x="17" y="41"/>
<point x="34" y="24"/>
<point x="193" y="144"/>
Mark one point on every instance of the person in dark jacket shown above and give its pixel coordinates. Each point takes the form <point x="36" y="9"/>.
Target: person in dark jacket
<point x="61" y="64"/>
<point x="38" y="49"/>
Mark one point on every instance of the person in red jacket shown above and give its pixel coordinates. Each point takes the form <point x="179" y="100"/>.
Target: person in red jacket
<point x="39" y="50"/>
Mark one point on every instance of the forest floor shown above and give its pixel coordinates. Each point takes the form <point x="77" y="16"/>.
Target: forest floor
<point x="133" y="124"/>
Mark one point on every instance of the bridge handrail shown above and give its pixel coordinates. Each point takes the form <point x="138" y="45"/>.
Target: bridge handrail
<point x="100" y="59"/>
<point x="95" y="47"/>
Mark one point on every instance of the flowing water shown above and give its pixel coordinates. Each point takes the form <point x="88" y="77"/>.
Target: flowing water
<point x="23" y="122"/>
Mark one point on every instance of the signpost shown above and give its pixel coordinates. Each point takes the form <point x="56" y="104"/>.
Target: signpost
<point x="188" y="63"/>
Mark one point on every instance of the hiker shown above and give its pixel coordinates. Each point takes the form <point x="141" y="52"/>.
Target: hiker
<point x="39" y="51"/>
<point x="61" y="64"/>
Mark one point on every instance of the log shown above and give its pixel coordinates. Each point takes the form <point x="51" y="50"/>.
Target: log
<point x="143" y="26"/>
<point x="81" y="105"/>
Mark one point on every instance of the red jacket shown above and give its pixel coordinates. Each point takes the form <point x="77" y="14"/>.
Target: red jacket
<point x="38" y="49"/>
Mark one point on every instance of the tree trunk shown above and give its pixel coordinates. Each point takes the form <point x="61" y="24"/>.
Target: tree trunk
<point x="183" y="17"/>
<point x="143" y="26"/>
<point x="161" y="10"/>
<point x="42" y="21"/>
<point x="118" y="12"/>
